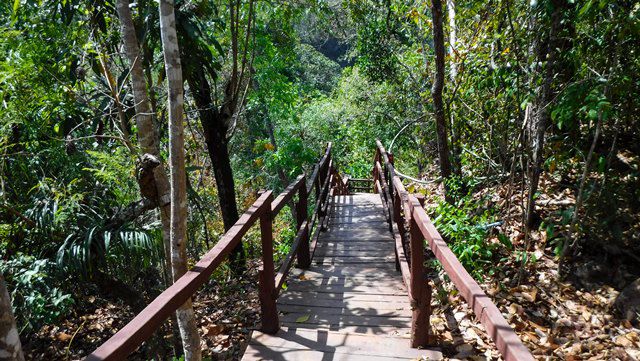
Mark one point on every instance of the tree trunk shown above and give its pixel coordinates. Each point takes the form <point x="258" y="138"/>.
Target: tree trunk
<point x="147" y="135"/>
<point x="453" y="73"/>
<point x="453" y="38"/>
<point x="438" y="85"/>
<point x="214" y="127"/>
<point x="173" y="69"/>
<point x="546" y="54"/>
<point x="10" y="347"/>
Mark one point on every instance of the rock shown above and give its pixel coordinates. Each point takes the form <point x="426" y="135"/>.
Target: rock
<point x="628" y="301"/>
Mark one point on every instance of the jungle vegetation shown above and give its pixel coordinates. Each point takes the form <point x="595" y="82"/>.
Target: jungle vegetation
<point x="523" y="116"/>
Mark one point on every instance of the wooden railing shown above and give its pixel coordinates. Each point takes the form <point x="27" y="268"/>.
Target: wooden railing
<point x="324" y="182"/>
<point x="411" y="225"/>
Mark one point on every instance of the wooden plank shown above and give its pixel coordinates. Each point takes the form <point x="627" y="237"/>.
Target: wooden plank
<point x="379" y="330"/>
<point x="356" y="206"/>
<point x="370" y="218"/>
<point x="365" y="272"/>
<point x="346" y="281"/>
<point x="336" y="238"/>
<point x="358" y="230"/>
<point x="338" y="285"/>
<point x="359" y="233"/>
<point x="401" y="311"/>
<point x="382" y="304"/>
<point x="324" y="283"/>
<point x="351" y="261"/>
<point x="341" y="342"/>
<point x="358" y="211"/>
<point x="291" y="295"/>
<point x="350" y="212"/>
<point x="358" y="269"/>
<point x="365" y="247"/>
<point x="381" y="319"/>
<point x="259" y="352"/>
<point x="352" y="256"/>
<point x="348" y="289"/>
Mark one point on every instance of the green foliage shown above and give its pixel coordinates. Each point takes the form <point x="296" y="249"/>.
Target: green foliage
<point x="315" y="71"/>
<point x="37" y="297"/>
<point x="465" y="226"/>
<point x="358" y="112"/>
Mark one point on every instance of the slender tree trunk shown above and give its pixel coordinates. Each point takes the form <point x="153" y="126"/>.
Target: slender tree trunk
<point x="453" y="38"/>
<point x="173" y="69"/>
<point x="147" y="135"/>
<point x="438" y="85"/>
<point x="546" y="54"/>
<point x="214" y="127"/>
<point x="453" y="73"/>
<point x="10" y="346"/>
<point x="570" y="244"/>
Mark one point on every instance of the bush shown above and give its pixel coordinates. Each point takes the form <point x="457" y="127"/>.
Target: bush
<point x="35" y="299"/>
<point x="465" y="225"/>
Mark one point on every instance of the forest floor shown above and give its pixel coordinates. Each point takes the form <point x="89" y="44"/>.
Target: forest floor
<point x="226" y="311"/>
<point x="558" y="320"/>
<point x="573" y="319"/>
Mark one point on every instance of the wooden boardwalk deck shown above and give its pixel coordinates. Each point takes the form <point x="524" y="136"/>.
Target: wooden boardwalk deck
<point x="351" y="304"/>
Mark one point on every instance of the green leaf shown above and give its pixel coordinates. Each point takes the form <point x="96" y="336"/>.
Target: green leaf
<point x="505" y="241"/>
<point x="602" y="164"/>
<point x="303" y="318"/>
<point x="593" y="114"/>
<point x="14" y="15"/>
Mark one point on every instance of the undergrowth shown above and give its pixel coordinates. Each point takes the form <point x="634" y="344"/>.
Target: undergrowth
<point x="466" y="225"/>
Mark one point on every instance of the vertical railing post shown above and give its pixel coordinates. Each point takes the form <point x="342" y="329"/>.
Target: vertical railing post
<point x="266" y="273"/>
<point x="420" y="290"/>
<point x="324" y="173"/>
<point x="374" y="173"/>
<point x="303" y="256"/>
<point x="391" y="175"/>
<point x="397" y="206"/>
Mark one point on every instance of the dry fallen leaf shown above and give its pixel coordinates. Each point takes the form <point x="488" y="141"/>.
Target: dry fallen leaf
<point x="623" y="341"/>
<point x="302" y="277"/>
<point x="213" y="330"/>
<point x="64" y="337"/>
<point x="530" y="295"/>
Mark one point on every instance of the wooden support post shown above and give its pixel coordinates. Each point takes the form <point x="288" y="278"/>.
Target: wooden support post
<point x="397" y="204"/>
<point x="390" y="176"/>
<point x="374" y="173"/>
<point x="420" y="290"/>
<point x="323" y="175"/>
<point x="303" y="256"/>
<point x="267" y="292"/>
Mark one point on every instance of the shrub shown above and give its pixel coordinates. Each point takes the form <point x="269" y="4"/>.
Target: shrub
<point x="35" y="298"/>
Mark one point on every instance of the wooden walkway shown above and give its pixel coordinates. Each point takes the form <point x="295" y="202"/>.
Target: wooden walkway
<point x="351" y="304"/>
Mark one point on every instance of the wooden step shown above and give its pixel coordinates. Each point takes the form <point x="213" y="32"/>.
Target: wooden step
<point x="316" y="344"/>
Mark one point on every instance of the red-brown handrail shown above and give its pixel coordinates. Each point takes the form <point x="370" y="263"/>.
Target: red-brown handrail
<point x="264" y="210"/>
<point x="404" y="210"/>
